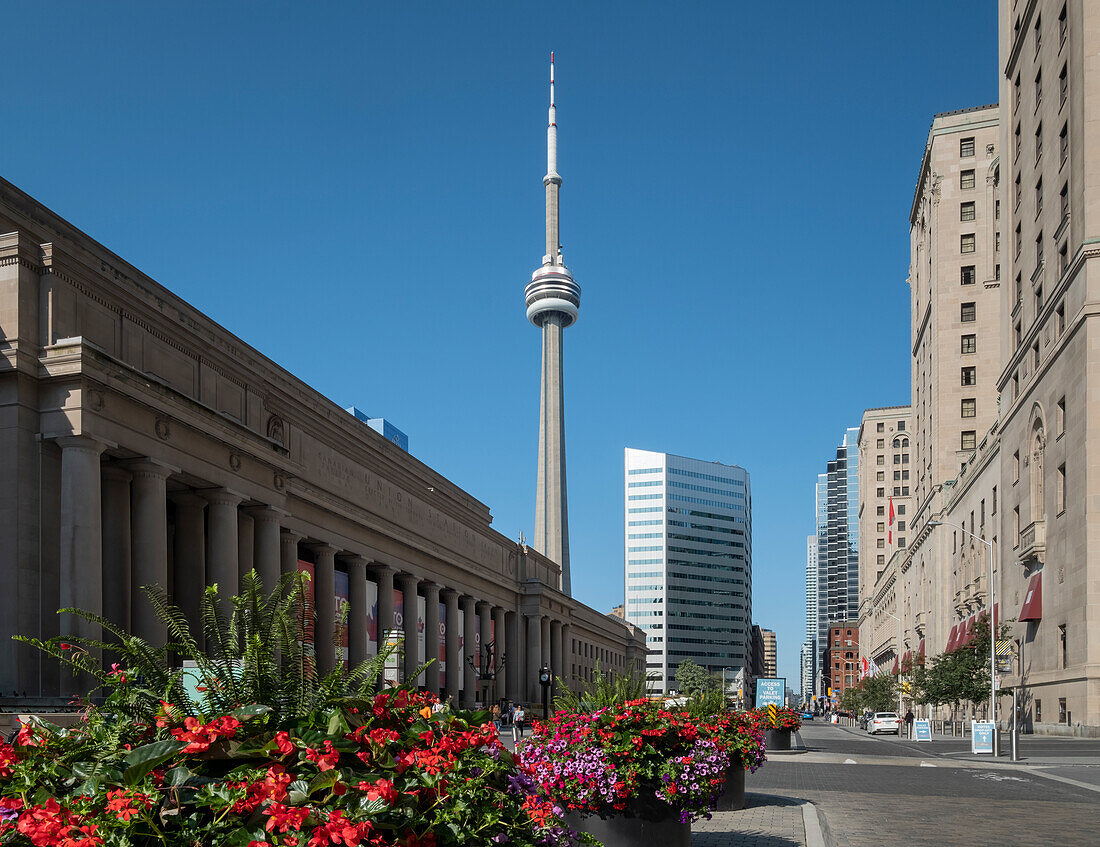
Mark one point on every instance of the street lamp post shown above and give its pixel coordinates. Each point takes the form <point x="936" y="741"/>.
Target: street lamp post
<point x="992" y="629"/>
<point x="898" y="651"/>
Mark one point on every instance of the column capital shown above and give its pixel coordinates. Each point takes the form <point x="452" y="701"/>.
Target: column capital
<point x="354" y="560"/>
<point x="82" y="442"/>
<point x="483" y="605"/>
<point x="222" y="497"/>
<point x="289" y="536"/>
<point x="380" y="568"/>
<point x="323" y="548"/>
<point x="116" y="472"/>
<point x="187" y="498"/>
<point x="264" y="512"/>
<point x="406" y="579"/>
<point x="430" y="585"/>
<point x="150" y="468"/>
<point x="448" y="593"/>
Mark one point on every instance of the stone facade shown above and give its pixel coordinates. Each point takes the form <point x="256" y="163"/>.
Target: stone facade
<point x="885" y="469"/>
<point x="142" y="443"/>
<point x="1050" y="331"/>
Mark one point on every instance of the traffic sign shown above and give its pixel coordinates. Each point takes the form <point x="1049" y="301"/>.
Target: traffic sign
<point x="771" y="714"/>
<point x="770" y="691"/>
<point x="981" y="736"/>
<point x="922" y="730"/>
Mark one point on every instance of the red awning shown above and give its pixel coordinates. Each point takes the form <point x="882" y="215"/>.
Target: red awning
<point x="968" y="636"/>
<point x="1032" y="610"/>
<point x="920" y="649"/>
<point x="951" y="639"/>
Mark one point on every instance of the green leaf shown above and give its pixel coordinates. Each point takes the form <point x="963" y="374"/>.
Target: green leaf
<point x="245" y="713"/>
<point x="143" y="759"/>
<point x="178" y="776"/>
<point x="297" y="792"/>
<point x="325" y="779"/>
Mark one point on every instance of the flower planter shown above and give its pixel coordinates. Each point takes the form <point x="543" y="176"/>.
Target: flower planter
<point x="623" y="831"/>
<point x="777" y="739"/>
<point x="733" y="795"/>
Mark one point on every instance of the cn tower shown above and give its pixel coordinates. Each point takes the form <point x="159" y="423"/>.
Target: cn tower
<point x="553" y="303"/>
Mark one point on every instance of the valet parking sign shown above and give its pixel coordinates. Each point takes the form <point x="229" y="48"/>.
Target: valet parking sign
<point x="770" y="692"/>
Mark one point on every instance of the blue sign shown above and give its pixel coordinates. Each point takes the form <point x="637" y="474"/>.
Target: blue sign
<point x="981" y="737"/>
<point x="771" y="692"/>
<point x="922" y="730"/>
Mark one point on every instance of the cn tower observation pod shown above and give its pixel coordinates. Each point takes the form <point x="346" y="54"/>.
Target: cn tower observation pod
<point x="552" y="290"/>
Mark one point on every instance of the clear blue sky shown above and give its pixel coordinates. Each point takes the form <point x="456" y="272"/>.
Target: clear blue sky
<point x="356" y="190"/>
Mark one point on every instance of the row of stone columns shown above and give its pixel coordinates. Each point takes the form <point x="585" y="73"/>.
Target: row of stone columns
<point x="114" y="539"/>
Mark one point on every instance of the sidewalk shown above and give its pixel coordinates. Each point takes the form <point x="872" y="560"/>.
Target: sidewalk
<point x="766" y="821"/>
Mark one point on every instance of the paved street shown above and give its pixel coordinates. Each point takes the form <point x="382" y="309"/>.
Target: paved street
<point x="874" y="791"/>
<point x="766" y="821"/>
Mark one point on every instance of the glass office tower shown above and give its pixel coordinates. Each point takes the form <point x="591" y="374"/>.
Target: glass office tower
<point x="688" y="562"/>
<point x="837" y="543"/>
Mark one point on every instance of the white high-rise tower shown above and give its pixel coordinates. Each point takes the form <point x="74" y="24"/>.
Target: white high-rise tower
<point x="553" y="303"/>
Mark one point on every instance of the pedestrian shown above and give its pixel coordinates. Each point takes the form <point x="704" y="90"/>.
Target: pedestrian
<point x="909" y="723"/>
<point x="519" y="718"/>
<point x="496" y="714"/>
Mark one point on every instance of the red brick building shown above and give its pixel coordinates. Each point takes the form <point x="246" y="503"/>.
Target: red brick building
<point x="842" y="658"/>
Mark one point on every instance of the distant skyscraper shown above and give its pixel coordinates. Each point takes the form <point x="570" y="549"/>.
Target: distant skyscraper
<point x="771" y="656"/>
<point x="553" y="303"/>
<point x="838" y="540"/>
<point x="688" y="560"/>
<point x="383" y="427"/>
<point x="809" y="646"/>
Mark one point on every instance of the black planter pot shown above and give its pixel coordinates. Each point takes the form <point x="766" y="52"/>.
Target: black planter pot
<point x="621" y="831"/>
<point x="733" y="795"/>
<point x="777" y="739"/>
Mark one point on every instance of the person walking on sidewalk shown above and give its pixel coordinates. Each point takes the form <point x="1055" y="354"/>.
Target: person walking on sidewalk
<point x="519" y="719"/>
<point x="909" y="724"/>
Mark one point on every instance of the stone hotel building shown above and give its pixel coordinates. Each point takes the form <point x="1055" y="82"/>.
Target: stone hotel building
<point x="141" y="443"/>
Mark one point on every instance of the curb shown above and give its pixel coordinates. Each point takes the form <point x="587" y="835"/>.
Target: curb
<point x="816" y="826"/>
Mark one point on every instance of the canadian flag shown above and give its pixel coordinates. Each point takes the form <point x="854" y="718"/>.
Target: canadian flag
<point x="863" y="668"/>
<point x="890" y="532"/>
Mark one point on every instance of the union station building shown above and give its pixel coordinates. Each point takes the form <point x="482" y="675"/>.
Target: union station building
<point x="141" y="443"/>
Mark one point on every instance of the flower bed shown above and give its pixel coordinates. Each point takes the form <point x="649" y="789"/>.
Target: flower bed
<point x="638" y="759"/>
<point x="741" y="735"/>
<point x="785" y="718"/>
<point x="372" y="771"/>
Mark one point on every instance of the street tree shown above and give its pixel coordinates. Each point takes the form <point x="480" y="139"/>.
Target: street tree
<point x="878" y="693"/>
<point x="693" y="680"/>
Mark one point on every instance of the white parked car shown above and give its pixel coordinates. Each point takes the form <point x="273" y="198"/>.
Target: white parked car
<point x="884" y="722"/>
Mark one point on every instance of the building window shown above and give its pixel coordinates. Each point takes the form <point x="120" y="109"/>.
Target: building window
<point x="1015" y="384"/>
<point x="969" y="439"/>
<point x="968" y="275"/>
<point x="880" y="459"/>
<point x="966" y="243"/>
<point x="1060" y="318"/>
<point x="966" y="211"/>
<point x="1063" y="715"/>
<point x="880" y="559"/>
<point x="1038" y="32"/>
<point x="880" y="526"/>
<point x="881" y="543"/>
<point x="901" y="526"/>
<point x="881" y="427"/>
<point x="880" y="476"/>
<point x="1038" y="89"/>
<point x="1019" y="245"/>
<point x="1017" y="145"/>
<point x="1035" y="351"/>
<point x="901" y="541"/>
<point x="1039" y="196"/>
<point x="901" y="425"/>
<point x="897" y="476"/>
<point x="1063" y="201"/>
<point x="1063" y="144"/>
<point x="897" y="458"/>
<point x="1063" y="86"/>
<point x="969" y="407"/>
<point x="970" y="376"/>
<point x="967" y="313"/>
<point x="1062" y="648"/>
<point x="1038" y="711"/>
<point x="993" y="505"/>
<point x="1017" y="334"/>
<point x="1063" y="258"/>
<point x="1017" y="192"/>
<point x="880" y="492"/>
<point x="1060" y="417"/>
<point x="1060" y="490"/>
<point x="1039" y="249"/>
<point x="1016" y="527"/>
<point x="880" y="510"/>
<point x="1062" y="24"/>
<point x="881" y="444"/>
<point x="966" y="179"/>
<point x="997" y="267"/>
<point x="969" y="343"/>
<point x="1038" y="142"/>
<point x="997" y="210"/>
<point x="1016" y="466"/>
<point x="966" y="148"/>
<point x="901" y="510"/>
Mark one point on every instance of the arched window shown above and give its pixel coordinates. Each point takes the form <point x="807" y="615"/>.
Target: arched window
<point x="1036" y="451"/>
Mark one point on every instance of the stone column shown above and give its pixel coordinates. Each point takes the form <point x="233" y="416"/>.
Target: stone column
<point x="555" y="649"/>
<point x="81" y="566"/>
<point x="545" y="623"/>
<point x="189" y="558"/>
<point x="566" y="656"/>
<point x="469" y="677"/>
<point x="357" y="610"/>
<point x="149" y="526"/>
<point x="288" y="552"/>
<point x="454" y="655"/>
<point x="485" y="621"/>
<point x="431" y="635"/>
<point x="266" y="555"/>
<point x="222" y="548"/>
<point x="383" y="577"/>
<point x="116" y="545"/>
<point x="534" y="659"/>
<point x="407" y="582"/>
<point x="500" y="648"/>
<point x="246" y="545"/>
<point x="324" y="603"/>
<point x="514" y="675"/>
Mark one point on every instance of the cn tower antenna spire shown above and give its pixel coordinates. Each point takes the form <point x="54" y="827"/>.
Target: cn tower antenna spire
<point x="553" y="303"/>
